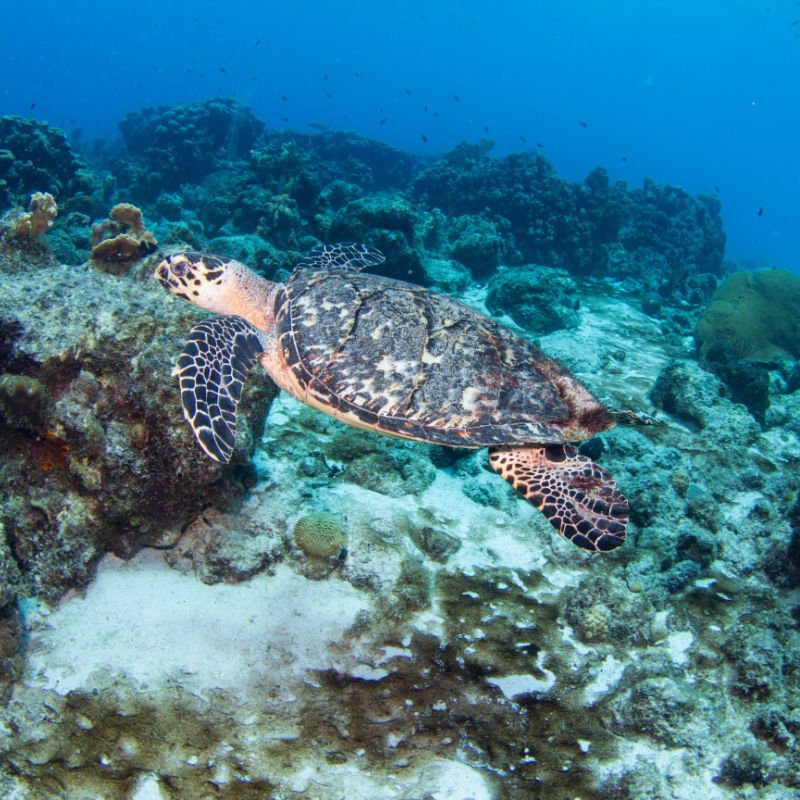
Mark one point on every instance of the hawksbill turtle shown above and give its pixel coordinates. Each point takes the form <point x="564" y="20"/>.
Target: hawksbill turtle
<point x="397" y="359"/>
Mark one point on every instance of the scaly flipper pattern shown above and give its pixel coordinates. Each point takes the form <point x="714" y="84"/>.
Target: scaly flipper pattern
<point x="212" y="370"/>
<point x="580" y="499"/>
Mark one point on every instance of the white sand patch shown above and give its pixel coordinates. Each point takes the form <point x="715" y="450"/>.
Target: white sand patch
<point x="438" y="779"/>
<point x="141" y="619"/>
<point x="606" y="680"/>
<point x="678" y="644"/>
<point x="671" y="763"/>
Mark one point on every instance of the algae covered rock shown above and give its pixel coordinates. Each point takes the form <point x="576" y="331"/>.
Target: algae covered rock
<point x="539" y="299"/>
<point x="756" y="314"/>
<point x="97" y="455"/>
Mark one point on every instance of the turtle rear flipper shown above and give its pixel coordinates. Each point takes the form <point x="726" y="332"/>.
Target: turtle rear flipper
<point x="212" y="369"/>
<point x="580" y="499"/>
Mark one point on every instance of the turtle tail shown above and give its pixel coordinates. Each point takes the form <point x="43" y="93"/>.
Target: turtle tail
<point x="579" y="498"/>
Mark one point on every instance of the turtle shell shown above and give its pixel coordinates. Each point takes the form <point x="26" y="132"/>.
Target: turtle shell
<point x="400" y="359"/>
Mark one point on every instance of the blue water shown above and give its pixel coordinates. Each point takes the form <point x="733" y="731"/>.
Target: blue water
<point x="700" y="94"/>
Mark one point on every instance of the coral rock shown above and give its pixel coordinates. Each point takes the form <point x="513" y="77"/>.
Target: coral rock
<point x="121" y="240"/>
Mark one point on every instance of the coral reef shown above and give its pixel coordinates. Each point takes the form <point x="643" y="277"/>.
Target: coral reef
<point x="590" y="228"/>
<point x="35" y="156"/>
<point x="755" y="314"/>
<point x="122" y="240"/>
<point x="175" y="145"/>
<point x="457" y="649"/>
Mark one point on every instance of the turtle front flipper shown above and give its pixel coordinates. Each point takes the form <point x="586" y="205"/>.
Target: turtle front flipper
<point x="580" y="499"/>
<point x="212" y="370"/>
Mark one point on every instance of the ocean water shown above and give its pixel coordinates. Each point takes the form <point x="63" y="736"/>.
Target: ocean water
<point x="700" y="95"/>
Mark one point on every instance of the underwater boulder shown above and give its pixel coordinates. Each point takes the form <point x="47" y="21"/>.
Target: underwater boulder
<point x="755" y="314"/>
<point x="539" y="299"/>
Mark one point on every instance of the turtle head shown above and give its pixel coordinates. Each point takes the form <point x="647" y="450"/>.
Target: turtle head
<point x="217" y="284"/>
<point x="198" y="278"/>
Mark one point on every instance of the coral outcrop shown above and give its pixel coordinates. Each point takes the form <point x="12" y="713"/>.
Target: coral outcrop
<point x="97" y="457"/>
<point x="175" y="145"/>
<point x="589" y="228"/>
<point x="27" y="226"/>
<point x="755" y="314"/>
<point x="36" y="157"/>
<point x="539" y="299"/>
<point x="320" y="535"/>
<point x="122" y="240"/>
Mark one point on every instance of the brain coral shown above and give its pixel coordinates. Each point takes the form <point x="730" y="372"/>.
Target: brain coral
<point x="320" y="535"/>
<point x="756" y="314"/>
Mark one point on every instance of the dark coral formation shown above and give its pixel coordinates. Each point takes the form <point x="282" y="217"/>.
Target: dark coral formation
<point x="36" y="157"/>
<point x="173" y="145"/>
<point x="587" y="228"/>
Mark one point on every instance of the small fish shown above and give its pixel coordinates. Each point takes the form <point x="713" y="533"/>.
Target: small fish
<point x="423" y="137"/>
<point x="583" y="124"/>
<point x="408" y="91"/>
<point x="382" y="122"/>
<point x="356" y="75"/>
<point x="222" y="69"/>
<point x="716" y="189"/>
<point x="486" y="129"/>
<point x="522" y="138"/>
<point x="760" y="212"/>
<point x="456" y="98"/>
<point x="258" y="42"/>
<point x="284" y="119"/>
<point x="435" y="113"/>
<point x="796" y="22"/>
<point x="325" y="76"/>
<point x="539" y="144"/>
<point x="425" y="109"/>
<point x="320" y="126"/>
<point x="624" y="158"/>
<point x="284" y="98"/>
<point x="33" y="105"/>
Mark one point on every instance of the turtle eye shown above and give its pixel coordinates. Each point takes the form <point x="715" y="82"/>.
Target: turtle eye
<point x="179" y="268"/>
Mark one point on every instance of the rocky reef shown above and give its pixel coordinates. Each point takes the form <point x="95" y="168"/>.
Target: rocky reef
<point x="340" y="614"/>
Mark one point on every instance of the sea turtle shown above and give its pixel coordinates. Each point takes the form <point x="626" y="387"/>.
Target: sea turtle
<point x="397" y="359"/>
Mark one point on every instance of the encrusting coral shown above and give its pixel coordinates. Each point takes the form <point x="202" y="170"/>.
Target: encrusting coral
<point x="121" y="240"/>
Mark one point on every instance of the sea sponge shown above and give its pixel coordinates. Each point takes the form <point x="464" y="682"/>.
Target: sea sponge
<point x="320" y="535"/>
<point x="31" y="224"/>
<point x="121" y="240"/>
<point x="755" y="314"/>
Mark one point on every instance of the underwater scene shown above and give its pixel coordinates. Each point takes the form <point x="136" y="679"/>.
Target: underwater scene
<point x="400" y="402"/>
